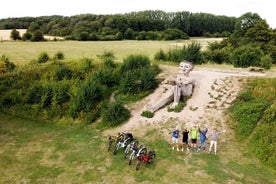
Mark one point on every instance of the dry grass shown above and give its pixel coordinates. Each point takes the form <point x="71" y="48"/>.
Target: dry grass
<point x="23" y="52"/>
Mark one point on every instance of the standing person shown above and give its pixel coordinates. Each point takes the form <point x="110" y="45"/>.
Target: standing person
<point x="214" y="139"/>
<point x="203" y="138"/>
<point x="185" y="139"/>
<point x="175" y="136"/>
<point x="194" y="133"/>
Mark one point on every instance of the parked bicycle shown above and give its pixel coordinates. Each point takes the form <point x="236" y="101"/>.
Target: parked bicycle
<point x="122" y="144"/>
<point x="136" y="151"/>
<point x="147" y="158"/>
<point x="114" y="139"/>
<point x="130" y="147"/>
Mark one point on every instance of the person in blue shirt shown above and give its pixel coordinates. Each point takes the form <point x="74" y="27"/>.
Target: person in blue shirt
<point x="202" y="140"/>
<point x="175" y="136"/>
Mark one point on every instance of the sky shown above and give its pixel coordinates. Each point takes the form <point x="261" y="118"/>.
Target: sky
<point x="34" y="8"/>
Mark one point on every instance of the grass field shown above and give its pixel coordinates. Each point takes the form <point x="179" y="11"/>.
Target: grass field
<point x="34" y="152"/>
<point x="23" y="52"/>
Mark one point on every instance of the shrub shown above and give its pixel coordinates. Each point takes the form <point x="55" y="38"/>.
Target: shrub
<point x="47" y="96"/>
<point x="107" y="54"/>
<point x="34" y="94"/>
<point x="85" y="64"/>
<point x="59" y="56"/>
<point x="193" y="54"/>
<point x="82" y="36"/>
<point x="148" y="80"/>
<point x="119" y="36"/>
<point x="88" y="96"/>
<point x="266" y="62"/>
<point x="215" y="45"/>
<point x="93" y="36"/>
<point x="26" y="36"/>
<point x="61" y="92"/>
<point x="246" y="56"/>
<point x="178" y="108"/>
<point x="109" y="63"/>
<point x="129" y="83"/>
<point x="174" y="34"/>
<point x="62" y="72"/>
<point x="105" y="76"/>
<point x="160" y="56"/>
<point x="15" y="35"/>
<point x="43" y="57"/>
<point x="3" y="67"/>
<point x="93" y="115"/>
<point x="37" y="36"/>
<point x="176" y="55"/>
<point x="114" y="114"/>
<point x="129" y="34"/>
<point x="134" y="62"/>
<point x="147" y="114"/>
<point x="219" y="56"/>
<point x="8" y="64"/>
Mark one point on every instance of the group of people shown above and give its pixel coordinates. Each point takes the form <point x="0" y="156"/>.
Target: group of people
<point x="193" y="133"/>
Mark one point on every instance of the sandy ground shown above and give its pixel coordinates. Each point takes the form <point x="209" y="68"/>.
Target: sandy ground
<point x="214" y="90"/>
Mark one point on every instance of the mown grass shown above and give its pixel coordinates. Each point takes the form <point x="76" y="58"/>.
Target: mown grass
<point x="34" y="152"/>
<point x="24" y="52"/>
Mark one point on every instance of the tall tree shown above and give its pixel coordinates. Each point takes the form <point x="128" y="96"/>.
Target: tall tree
<point x="15" y="35"/>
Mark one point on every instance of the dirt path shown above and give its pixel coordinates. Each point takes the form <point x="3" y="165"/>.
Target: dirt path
<point x="214" y="90"/>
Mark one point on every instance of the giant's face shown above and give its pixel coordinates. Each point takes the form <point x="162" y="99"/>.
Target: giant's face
<point x="186" y="67"/>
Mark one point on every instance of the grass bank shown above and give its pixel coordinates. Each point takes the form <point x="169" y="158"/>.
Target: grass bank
<point x="34" y="152"/>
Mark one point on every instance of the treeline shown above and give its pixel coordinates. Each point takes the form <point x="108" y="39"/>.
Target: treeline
<point x="252" y="43"/>
<point x="143" y="25"/>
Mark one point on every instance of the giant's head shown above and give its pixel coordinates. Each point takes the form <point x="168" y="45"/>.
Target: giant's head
<point x="186" y="67"/>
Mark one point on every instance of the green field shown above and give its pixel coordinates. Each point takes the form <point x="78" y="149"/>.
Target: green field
<point x="24" y="52"/>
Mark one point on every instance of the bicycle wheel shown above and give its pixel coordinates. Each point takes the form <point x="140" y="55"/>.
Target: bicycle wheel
<point x="127" y="150"/>
<point x="143" y="151"/>
<point x="138" y="165"/>
<point x="152" y="157"/>
<point x="116" y="148"/>
<point x="131" y="157"/>
<point x="109" y="145"/>
<point x="136" y="142"/>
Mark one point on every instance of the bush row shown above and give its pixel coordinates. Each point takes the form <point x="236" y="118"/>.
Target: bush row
<point x="54" y="89"/>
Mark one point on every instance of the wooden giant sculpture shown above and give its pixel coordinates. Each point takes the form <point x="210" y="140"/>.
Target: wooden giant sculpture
<point x="180" y="86"/>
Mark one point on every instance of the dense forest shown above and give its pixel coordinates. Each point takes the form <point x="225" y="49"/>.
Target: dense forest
<point x="144" y="25"/>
